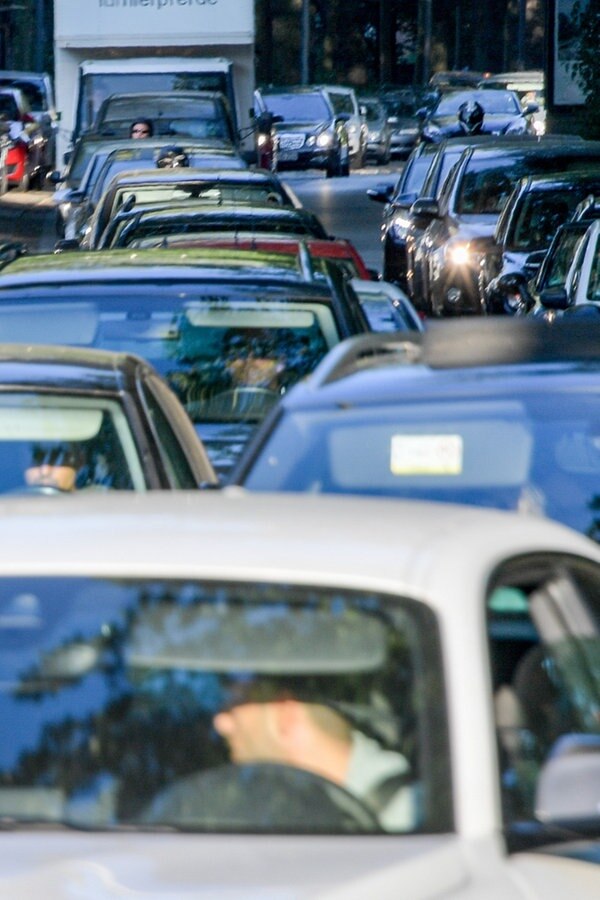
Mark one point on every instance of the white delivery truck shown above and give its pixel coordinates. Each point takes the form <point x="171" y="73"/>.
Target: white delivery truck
<point x="105" y="47"/>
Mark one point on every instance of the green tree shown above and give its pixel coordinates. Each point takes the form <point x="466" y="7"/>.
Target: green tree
<point x="585" y="20"/>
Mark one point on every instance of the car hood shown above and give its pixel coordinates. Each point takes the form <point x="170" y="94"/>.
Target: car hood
<point x="301" y="127"/>
<point x="492" y="123"/>
<point x="173" y="866"/>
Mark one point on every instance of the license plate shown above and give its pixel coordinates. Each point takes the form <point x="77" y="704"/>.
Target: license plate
<point x="287" y="155"/>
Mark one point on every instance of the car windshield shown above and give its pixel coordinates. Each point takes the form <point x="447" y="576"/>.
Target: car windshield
<point x="228" y="352"/>
<point x="216" y="193"/>
<point x="8" y="107"/>
<point x="155" y="231"/>
<point x="494" y="102"/>
<point x="485" y="187"/>
<point x="453" y="451"/>
<point x="298" y="107"/>
<point x="32" y="90"/>
<point x="145" y="703"/>
<point x="51" y="443"/>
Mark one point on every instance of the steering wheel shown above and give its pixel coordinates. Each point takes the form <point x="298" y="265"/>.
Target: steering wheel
<point x="261" y="797"/>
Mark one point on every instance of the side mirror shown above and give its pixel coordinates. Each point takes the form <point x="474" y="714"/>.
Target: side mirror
<point x="343" y="117"/>
<point x="425" y="209"/>
<point x="554" y="298"/>
<point x="54" y="177"/>
<point x="381" y="193"/>
<point x="531" y="108"/>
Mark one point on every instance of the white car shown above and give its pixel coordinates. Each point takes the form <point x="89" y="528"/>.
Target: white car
<point x="276" y="696"/>
<point x="581" y="290"/>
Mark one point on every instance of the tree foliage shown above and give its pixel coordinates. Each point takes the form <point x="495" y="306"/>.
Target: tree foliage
<point x="584" y="26"/>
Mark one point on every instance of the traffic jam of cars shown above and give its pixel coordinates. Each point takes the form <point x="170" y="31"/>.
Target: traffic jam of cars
<point x="314" y="607"/>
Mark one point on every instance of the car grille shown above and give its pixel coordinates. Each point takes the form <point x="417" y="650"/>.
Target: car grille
<point x="291" y="141"/>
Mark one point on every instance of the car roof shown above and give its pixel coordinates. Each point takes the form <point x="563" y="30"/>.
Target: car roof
<point x="189" y="174"/>
<point x="453" y="357"/>
<point x="549" y="180"/>
<point x="346" y="539"/>
<point x="193" y="264"/>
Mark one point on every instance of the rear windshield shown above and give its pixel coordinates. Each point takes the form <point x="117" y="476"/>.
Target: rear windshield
<point x="229" y="354"/>
<point x="453" y="452"/>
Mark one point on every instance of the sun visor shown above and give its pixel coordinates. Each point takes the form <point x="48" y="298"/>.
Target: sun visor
<point x="48" y="323"/>
<point x="258" y="639"/>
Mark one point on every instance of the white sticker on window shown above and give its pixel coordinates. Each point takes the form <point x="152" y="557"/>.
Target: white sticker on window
<point x="426" y="454"/>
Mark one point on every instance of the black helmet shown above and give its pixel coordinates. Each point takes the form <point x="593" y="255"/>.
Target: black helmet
<point x="172" y="158"/>
<point x="470" y="116"/>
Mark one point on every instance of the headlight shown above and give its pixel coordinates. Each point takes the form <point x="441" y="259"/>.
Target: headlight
<point x="324" y="139"/>
<point x="263" y="139"/>
<point x="399" y="227"/>
<point x="311" y="140"/>
<point x="460" y="255"/>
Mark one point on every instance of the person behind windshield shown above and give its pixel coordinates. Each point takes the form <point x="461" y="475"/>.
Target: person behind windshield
<point x="54" y="467"/>
<point x="141" y="128"/>
<point x="319" y="739"/>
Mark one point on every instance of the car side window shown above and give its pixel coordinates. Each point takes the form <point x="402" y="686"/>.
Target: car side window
<point x="543" y="620"/>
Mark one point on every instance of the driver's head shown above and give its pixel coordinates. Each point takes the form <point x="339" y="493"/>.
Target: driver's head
<point x="54" y="465"/>
<point x="283" y="729"/>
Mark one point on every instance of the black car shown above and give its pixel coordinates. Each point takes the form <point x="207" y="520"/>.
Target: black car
<point x="307" y="132"/>
<point x="164" y="225"/>
<point x="491" y="412"/>
<point x="183" y="186"/>
<point x="538" y="206"/>
<point x="95" y="161"/>
<point x="74" y="419"/>
<point x="422" y="176"/>
<point x="230" y="331"/>
<point x="502" y="114"/>
<point x="458" y="227"/>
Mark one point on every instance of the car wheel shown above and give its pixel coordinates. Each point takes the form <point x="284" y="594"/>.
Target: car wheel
<point x="25" y="182"/>
<point x="335" y="166"/>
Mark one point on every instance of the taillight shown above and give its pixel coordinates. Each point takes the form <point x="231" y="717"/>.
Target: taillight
<point x="26" y="118"/>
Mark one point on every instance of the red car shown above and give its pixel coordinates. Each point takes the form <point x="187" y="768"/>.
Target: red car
<point x="337" y="250"/>
<point x="25" y="163"/>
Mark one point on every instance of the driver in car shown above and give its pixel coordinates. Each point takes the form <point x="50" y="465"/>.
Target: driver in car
<point x="318" y="738"/>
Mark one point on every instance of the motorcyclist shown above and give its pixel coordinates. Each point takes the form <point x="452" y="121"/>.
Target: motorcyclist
<point x="470" y="117"/>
